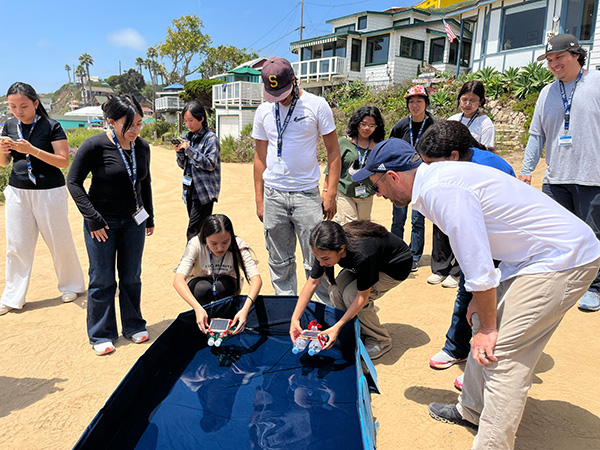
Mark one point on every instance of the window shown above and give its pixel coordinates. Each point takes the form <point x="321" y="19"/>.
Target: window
<point x="465" y="53"/>
<point x="524" y="25"/>
<point x="377" y="49"/>
<point x="362" y="22"/>
<point x="306" y="54"/>
<point x="436" y="50"/>
<point x="580" y="19"/>
<point x="344" y="28"/>
<point x="355" y="56"/>
<point x="412" y="48"/>
<point x="328" y="50"/>
<point x="399" y="23"/>
<point x="340" y="48"/>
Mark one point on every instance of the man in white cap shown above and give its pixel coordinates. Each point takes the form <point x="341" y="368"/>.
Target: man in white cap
<point x="548" y="258"/>
<point x="286" y="171"/>
<point x="566" y="120"/>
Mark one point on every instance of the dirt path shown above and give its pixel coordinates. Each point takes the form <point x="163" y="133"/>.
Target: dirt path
<point x="52" y="384"/>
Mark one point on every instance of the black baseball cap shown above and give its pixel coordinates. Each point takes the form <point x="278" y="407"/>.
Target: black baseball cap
<point x="278" y="79"/>
<point x="392" y="154"/>
<point x="560" y="43"/>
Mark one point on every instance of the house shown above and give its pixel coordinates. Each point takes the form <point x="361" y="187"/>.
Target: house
<point x="381" y="48"/>
<point x="235" y="101"/>
<point x="513" y="33"/>
<point x="169" y="103"/>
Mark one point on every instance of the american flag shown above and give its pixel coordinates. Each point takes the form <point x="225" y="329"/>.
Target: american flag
<point x="449" y="32"/>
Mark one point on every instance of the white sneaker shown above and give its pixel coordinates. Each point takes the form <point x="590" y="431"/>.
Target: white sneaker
<point x="442" y="360"/>
<point x="104" y="348"/>
<point x="458" y="383"/>
<point x="4" y="309"/>
<point x="68" y="296"/>
<point x="435" y="278"/>
<point x="139" y="337"/>
<point x="450" y="282"/>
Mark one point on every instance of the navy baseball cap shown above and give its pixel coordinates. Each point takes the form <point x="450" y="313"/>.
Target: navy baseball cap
<point x="392" y="154"/>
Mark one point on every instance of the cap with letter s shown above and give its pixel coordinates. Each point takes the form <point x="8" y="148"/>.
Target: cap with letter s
<point x="278" y="79"/>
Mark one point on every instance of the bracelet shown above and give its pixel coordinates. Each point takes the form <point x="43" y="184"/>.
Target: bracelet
<point x="324" y="190"/>
<point x="251" y="299"/>
<point x="38" y="153"/>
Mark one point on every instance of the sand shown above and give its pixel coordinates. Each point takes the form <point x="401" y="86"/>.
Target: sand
<point x="52" y="384"/>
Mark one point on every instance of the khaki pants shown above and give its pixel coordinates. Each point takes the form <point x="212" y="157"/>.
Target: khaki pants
<point x="344" y="292"/>
<point x="530" y="307"/>
<point x="351" y="208"/>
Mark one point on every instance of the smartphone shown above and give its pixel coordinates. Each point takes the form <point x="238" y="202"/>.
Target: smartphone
<point x="6" y="138"/>
<point x="175" y="141"/>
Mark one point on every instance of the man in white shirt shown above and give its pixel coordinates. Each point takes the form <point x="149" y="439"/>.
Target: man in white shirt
<point x="286" y="171"/>
<point x="548" y="258"/>
<point x="565" y="121"/>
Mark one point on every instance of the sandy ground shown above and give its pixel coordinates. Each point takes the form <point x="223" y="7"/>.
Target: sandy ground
<point x="52" y="384"/>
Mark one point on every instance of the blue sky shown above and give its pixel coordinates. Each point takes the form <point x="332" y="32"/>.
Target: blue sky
<point x="40" y="37"/>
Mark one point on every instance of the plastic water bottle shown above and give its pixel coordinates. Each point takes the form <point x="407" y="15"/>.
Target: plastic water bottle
<point x="317" y="345"/>
<point x="218" y="342"/>
<point x="211" y="341"/>
<point x="299" y="345"/>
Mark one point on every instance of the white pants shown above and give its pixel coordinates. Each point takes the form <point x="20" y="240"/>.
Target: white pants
<point x="28" y="213"/>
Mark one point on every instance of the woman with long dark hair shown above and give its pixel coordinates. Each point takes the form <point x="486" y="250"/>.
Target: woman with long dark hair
<point x="355" y="200"/>
<point x="373" y="261"/>
<point x="471" y="100"/>
<point x="210" y="270"/>
<point x="36" y="198"/>
<point x="199" y="155"/>
<point x="118" y="215"/>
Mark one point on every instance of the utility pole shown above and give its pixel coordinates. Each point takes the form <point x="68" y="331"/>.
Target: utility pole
<point x="301" y="17"/>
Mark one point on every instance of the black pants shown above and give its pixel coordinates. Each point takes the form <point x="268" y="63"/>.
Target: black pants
<point x="197" y="213"/>
<point x="201" y="287"/>
<point x="443" y="261"/>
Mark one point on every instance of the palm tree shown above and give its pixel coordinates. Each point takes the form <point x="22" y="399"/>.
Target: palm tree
<point x="86" y="61"/>
<point x="80" y="73"/>
<point x="68" y="69"/>
<point x="139" y="62"/>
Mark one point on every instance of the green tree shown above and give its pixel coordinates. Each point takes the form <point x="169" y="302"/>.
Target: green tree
<point x="130" y="82"/>
<point x="185" y="41"/>
<point x="68" y="69"/>
<point x="86" y="61"/>
<point x="80" y="74"/>
<point x="139" y="62"/>
<point x="223" y="58"/>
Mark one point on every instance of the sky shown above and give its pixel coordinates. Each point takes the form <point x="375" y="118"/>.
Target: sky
<point x="40" y="37"/>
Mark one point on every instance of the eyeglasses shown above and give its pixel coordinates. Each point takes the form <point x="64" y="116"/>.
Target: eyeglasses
<point x="375" y="187"/>
<point x="132" y="127"/>
<point x="367" y="125"/>
<point x="469" y="101"/>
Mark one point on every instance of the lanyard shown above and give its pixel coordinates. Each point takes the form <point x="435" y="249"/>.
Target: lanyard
<point x="131" y="170"/>
<point x="472" y="119"/>
<point x="414" y="144"/>
<point x="27" y="157"/>
<point x="215" y="277"/>
<point x="362" y="157"/>
<point x="281" y="128"/>
<point x="567" y="102"/>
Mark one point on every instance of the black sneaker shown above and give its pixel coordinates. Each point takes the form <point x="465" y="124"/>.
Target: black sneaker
<point x="448" y="413"/>
<point x="414" y="267"/>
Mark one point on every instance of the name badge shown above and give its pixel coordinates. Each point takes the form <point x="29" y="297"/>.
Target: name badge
<point x="564" y="141"/>
<point x="140" y="216"/>
<point x="187" y="181"/>
<point x="359" y="191"/>
<point x="279" y="168"/>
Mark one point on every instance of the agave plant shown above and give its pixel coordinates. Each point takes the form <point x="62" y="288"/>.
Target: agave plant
<point x="441" y="98"/>
<point x="509" y="77"/>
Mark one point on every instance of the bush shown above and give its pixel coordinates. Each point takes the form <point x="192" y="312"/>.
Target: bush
<point x="76" y="136"/>
<point x="238" y="151"/>
<point x="4" y="174"/>
<point x="526" y="106"/>
<point x="159" y="127"/>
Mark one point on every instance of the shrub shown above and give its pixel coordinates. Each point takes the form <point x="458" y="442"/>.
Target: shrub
<point x="237" y="150"/>
<point x="160" y="127"/>
<point x="4" y="174"/>
<point x="526" y="106"/>
<point x="76" y="136"/>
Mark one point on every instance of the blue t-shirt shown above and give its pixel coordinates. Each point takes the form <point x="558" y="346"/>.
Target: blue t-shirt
<point x="487" y="158"/>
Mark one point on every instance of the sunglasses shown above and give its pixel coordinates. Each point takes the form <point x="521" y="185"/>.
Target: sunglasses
<point x="375" y="187"/>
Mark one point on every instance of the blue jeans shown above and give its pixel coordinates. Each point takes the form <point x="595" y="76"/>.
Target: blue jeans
<point x="287" y="215"/>
<point x="122" y="250"/>
<point x="459" y="334"/>
<point x="417" y="234"/>
<point x="584" y="202"/>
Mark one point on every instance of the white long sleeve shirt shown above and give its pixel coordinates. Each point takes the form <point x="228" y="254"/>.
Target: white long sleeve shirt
<point x="489" y="215"/>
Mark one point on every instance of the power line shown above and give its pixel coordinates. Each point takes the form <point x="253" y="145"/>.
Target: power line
<point x="335" y="6"/>
<point x="279" y="23"/>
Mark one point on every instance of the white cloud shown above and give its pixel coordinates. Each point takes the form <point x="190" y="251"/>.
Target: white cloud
<point x="43" y="43"/>
<point x="127" y="37"/>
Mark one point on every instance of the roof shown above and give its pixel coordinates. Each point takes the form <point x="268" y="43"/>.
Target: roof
<point x="91" y="111"/>
<point x="72" y="118"/>
<point x="103" y="89"/>
<point x="463" y="6"/>
<point x="174" y="87"/>
<point x="101" y="98"/>
<point x="244" y="70"/>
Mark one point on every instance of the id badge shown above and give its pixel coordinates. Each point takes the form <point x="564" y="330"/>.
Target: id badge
<point x="564" y="141"/>
<point x="279" y="168"/>
<point x="140" y="215"/>
<point x="187" y="180"/>
<point x="359" y="191"/>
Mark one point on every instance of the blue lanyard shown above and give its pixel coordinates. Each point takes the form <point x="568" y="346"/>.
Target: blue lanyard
<point x="281" y="128"/>
<point x="215" y="277"/>
<point x="567" y="102"/>
<point x="362" y="157"/>
<point x="27" y="157"/>
<point x="131" y="170"/>
<point x="472" y="119"/>
<point x="414" y="144"/>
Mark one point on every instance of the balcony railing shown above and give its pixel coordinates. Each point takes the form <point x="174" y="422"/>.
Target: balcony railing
<point x="334" y="66"/>
<point x="237" y="93"/>
<point x="169" y="104"/>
